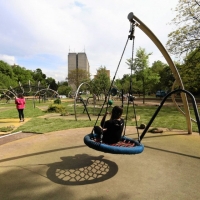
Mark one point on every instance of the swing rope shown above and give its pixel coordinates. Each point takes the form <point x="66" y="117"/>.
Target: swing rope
<point x="132" y="37"/>
<point x="125" y="145"/>
<point x="111" y="85"/>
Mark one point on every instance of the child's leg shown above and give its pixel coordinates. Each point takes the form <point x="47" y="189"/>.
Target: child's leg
<point x="19" y="112"/>
<point x="22" y="114"/>
<point x="98" y="130"/>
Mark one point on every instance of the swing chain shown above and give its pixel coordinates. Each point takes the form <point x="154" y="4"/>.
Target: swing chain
<point x="132" y="30"/>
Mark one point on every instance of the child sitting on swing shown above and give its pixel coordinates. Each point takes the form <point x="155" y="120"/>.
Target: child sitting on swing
<point x="112" y="128"/>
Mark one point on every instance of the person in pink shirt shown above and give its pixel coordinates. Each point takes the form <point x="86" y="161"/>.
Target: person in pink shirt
<point x="20" y="105"/>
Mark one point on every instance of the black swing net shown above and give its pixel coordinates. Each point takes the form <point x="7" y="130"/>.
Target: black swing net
<point x="125" y="145"/>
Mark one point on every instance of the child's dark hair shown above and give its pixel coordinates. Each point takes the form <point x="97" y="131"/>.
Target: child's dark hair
<point x="116" y="112"/>
<point x="20" y="95"/>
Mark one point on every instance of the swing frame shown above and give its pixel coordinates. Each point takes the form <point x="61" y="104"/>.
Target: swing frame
<point x="89" y="139"/>
<point x="122" y="147"/>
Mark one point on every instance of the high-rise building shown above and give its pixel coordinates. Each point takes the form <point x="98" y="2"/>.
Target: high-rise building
<point x="77" y="61"/>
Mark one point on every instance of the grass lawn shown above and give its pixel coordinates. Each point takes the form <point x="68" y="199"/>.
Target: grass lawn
<point x="168" y="117"/>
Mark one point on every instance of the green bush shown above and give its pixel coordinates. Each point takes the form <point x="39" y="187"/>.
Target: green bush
<point x="57" y="109"/>
<point x="57" y="101"/>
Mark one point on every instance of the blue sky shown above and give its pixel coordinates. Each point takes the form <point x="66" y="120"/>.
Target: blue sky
<point x="40" y="33"/>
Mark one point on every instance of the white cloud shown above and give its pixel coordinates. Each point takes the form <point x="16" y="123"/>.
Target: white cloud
<point x="8" y="59"/>
<point x="50" y="28"/>
<point x="59" y="74"/>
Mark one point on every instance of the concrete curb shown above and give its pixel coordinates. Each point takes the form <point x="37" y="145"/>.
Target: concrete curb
<point x="10" y="134"/>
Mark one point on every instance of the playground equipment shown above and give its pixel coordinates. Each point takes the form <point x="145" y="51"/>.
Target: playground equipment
<point x="79" y="98"/>
<point x="136" y="21"/>
<point x="35" y="92"/>
<point x="7" y="95"/>
<point x="127" y="145"/>
<point x="110" y="102"/>
<point x="85" y="102"/>
<point x="44" y="94"/>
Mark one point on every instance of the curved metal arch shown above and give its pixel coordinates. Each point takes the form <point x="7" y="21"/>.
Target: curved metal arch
<point x="13" y="91"/>
<point x="136" y="21"/>
<point x="46" y="89"/>
<point x="9" y="91"/>
<point x="29" y="84"/>
<point x="196" y="112"/>
<point x="20" y="85"/>
<point x="175" y="103"/>
<point x="75" y="97"/>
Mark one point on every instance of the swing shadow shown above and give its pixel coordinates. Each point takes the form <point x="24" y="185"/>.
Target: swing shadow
<point x="155" y="135"/>
<point x="41" y="153"/>
<point x="81" y="169"/>
<point x="164" y="150"/>
<point x="172" y="152"/>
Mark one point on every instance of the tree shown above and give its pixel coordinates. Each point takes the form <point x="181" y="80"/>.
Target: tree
<point x="190" y="72"/>
<point x="187" y="36"/>
<point x="158" y="66"/>
<point x="52" y="83"/>
<point x="22" y="75"/>
<point x="101" y="82"/>
<point x="140" y="62"/>
<point x="77" y="76"/>
<point x="125" y="82"/>
<point x="38" y="76"/>
<point x="62" y="83"/>
<point x="6" y="82"/>
<point x="6" y="69"/>
<point x="6" y="76"/>
<point x="148" y="79"/>
<point x="166" y="77"/>
<point x="140" y="66"/>
<point x="64" y="90"/>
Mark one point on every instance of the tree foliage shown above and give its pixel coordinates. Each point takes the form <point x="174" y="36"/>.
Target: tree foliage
<point x="143" y="73"/>
<point x="141" y="60"/>
<point x="166" y="76"/>
<point x="124" y="83"/>
<point x="6" y="69"/>
<point x="38" y="76"/>
<point x="64" y="90"/>
<point x="6" y="82"/>
<point x="190" y="72"/>
<point x="16" y="76"/>
<point x="52" y="83"/>
<point x="101" y="82"/>
<point x="187" y="35"/>
<point x="22" y="75"/>
<point x="6" y="76"/>
<point x="77" y="76"/>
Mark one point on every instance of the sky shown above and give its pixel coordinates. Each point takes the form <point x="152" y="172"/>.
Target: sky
<point x="40" y="33"/>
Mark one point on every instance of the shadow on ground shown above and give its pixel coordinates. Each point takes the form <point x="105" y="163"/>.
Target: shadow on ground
<point x="81" y="169"/>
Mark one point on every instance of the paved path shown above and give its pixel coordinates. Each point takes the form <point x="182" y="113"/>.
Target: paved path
<point x="59" y="166"/>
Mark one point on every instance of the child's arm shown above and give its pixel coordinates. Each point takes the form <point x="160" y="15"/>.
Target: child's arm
<point x="16" y="101"/>
<point x="103" y="119"/>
